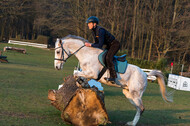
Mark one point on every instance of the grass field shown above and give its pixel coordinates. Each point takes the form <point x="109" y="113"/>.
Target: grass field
<point x="26" y="79"/>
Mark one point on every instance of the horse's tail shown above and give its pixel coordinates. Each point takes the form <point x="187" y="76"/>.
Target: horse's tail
<point x="166" y="96"/>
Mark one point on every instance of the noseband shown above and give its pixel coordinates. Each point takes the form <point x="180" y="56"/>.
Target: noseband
<point x="63" y="50"/>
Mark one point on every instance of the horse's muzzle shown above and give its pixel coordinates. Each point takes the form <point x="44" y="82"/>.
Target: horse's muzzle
<point x="57" y="68"/>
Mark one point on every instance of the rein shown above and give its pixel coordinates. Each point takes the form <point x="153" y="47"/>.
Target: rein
<point x="63" y="50"/>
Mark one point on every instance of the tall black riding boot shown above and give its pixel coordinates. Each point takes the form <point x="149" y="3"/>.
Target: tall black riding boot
<point x="113" y="75"/>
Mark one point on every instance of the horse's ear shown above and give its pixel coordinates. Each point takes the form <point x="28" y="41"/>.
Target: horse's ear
<point x="60" y="41"/>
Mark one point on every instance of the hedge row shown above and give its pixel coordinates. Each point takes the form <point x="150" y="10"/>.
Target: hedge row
<point x="161" y="64"/>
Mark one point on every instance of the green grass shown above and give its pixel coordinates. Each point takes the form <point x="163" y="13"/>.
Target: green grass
<point x="26" y="79"/>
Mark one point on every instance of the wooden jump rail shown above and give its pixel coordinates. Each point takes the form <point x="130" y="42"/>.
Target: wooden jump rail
<point x="15" y="49"/>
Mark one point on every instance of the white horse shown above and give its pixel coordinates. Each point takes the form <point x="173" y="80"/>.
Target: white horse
<point x="133" y="81"/>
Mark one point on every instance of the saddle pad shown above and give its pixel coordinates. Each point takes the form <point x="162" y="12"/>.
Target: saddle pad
<point x="120" y="67"/>
<point x="101" y="57"/>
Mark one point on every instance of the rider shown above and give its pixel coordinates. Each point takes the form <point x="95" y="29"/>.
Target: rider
<point x="103" y="37"/>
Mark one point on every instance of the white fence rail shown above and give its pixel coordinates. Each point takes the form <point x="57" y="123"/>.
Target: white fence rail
<point x="28" y="44"/>
<point x="152" y="78"/>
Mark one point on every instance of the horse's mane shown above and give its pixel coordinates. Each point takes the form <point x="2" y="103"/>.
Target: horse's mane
<point x="78" y="38"/>
<point x="75" y="37"/>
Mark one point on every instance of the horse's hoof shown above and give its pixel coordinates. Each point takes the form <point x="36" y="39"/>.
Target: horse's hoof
<point x="130" y="123"/>
<point x="75" y="75"/>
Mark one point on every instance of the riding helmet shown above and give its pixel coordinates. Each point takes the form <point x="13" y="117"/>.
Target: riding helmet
<point x="92" y="19"/>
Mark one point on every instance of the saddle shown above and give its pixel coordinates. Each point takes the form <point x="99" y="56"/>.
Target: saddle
<point x="120" y="62"/>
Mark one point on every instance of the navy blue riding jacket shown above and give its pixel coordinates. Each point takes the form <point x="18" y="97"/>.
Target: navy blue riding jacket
<point x="101" y="37"/>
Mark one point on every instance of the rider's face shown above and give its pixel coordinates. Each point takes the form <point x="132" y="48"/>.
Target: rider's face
<point x="91" y="25"/>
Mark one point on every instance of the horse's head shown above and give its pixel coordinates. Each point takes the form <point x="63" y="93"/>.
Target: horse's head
<point x="60" y="54"/>
<point x="65" y="48"/>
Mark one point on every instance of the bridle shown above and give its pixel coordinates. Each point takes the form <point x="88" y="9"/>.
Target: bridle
<point x="69" y="55"/>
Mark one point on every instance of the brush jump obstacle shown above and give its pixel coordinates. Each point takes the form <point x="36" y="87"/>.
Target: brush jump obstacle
<point x="133" y="80"/>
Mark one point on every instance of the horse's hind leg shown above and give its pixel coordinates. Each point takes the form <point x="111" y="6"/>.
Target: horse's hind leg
<point x="137" y="102"/>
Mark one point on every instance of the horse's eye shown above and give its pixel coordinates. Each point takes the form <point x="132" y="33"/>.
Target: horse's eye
<point x="58" y="52"/>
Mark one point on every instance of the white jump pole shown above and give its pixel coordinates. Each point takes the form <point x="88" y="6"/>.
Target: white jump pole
<point x="182" y="69"/>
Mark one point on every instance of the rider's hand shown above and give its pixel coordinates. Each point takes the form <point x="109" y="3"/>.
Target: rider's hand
<point x="87" y="44"/>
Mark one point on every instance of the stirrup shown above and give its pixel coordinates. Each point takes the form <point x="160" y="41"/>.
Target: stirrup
<point x="112" y="80"/>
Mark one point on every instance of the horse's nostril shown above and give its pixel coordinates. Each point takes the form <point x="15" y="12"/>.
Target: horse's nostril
<point x="56" y="67"/>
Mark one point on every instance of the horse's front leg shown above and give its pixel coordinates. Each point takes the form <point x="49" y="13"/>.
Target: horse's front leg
<point x="85" y="74"/>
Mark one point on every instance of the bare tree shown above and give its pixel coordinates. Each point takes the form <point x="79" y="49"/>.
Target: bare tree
<point x="135" y="21"/>
<point x="153" y="7"/>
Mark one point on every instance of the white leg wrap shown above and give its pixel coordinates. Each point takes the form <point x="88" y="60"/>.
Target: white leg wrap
<point x="136" y="119"/>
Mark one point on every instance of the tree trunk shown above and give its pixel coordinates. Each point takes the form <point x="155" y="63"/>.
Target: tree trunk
<point x="141" y="33"/>
<point x="186" y="52"/>
<point x="114" y="16"/>
<point x="96" y="2"/>
<point x="150" y="46"/>
<point x="77" y="16"/>
<point x="136" y="3"/>
<point x="153" y="16"/>
<point x="175" y="11"/>
<point x="145" y="44"/>
<point x="84" y="106"/>
<point x="2" y="31"/>
<point x="85" y="17"/>
<point x="124" y="40"/>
